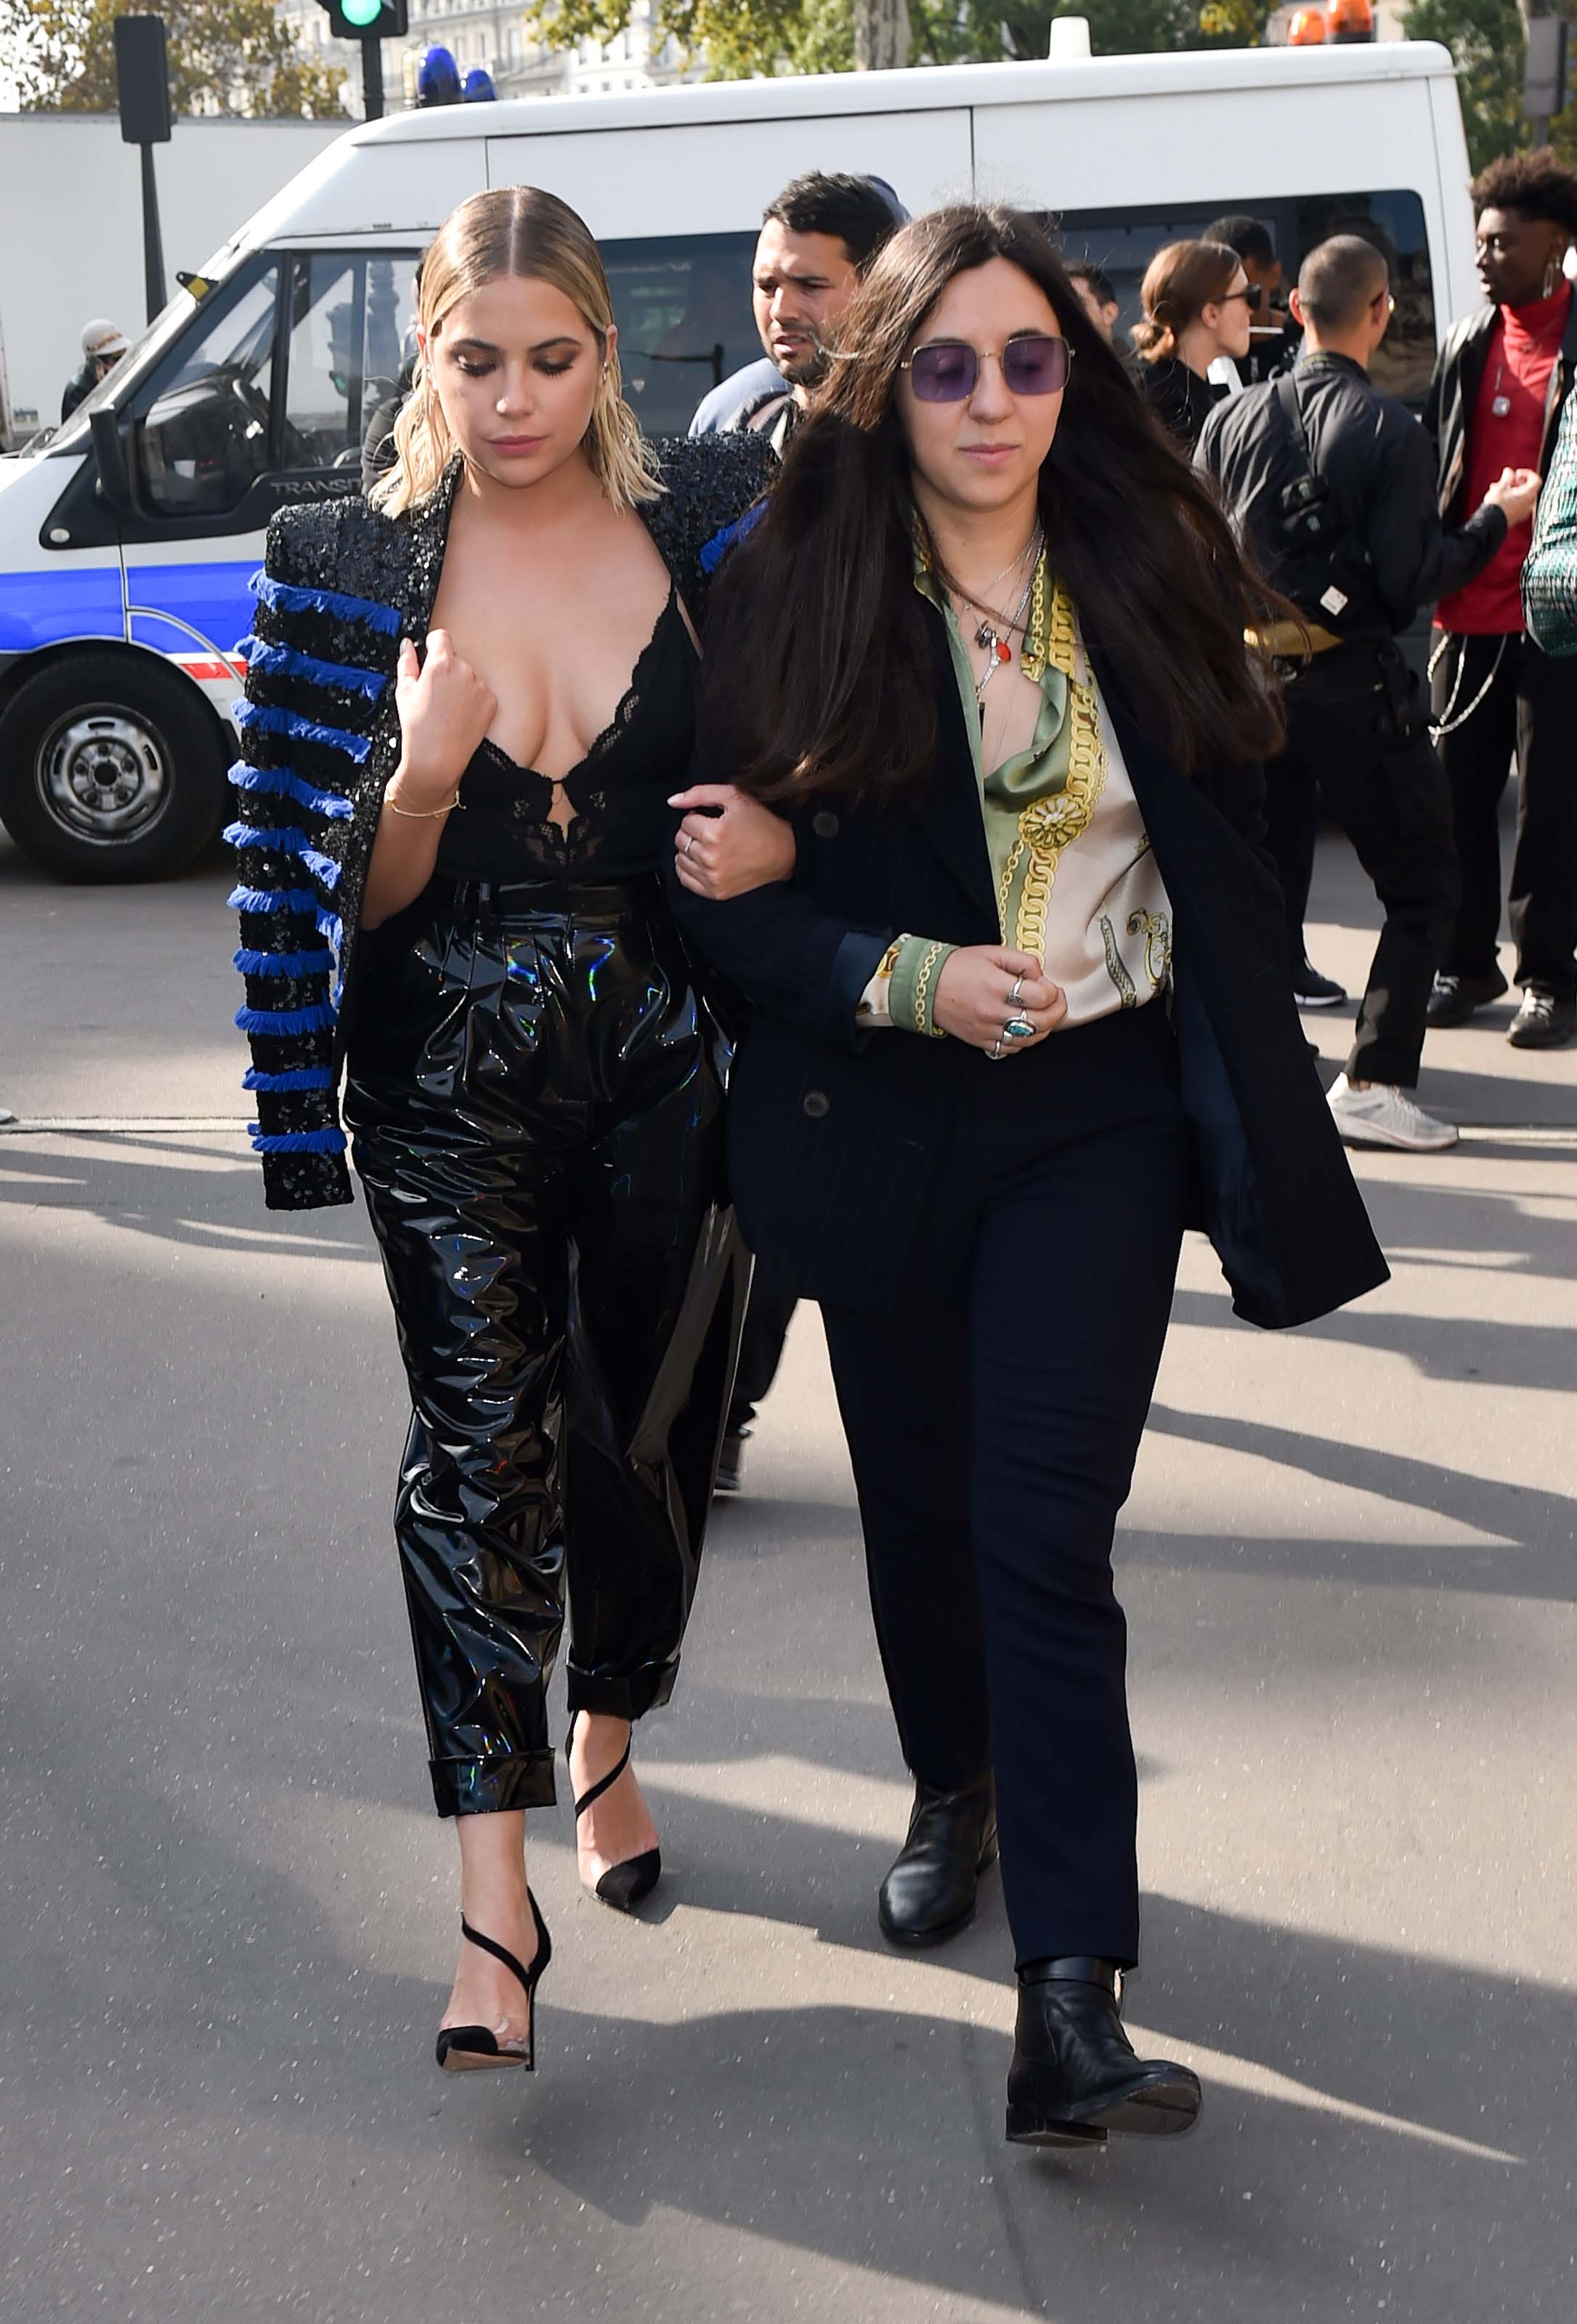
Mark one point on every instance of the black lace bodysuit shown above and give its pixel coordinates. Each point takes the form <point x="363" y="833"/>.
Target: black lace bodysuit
<point x="620" y="821"/>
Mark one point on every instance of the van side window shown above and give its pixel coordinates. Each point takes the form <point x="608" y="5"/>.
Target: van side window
<point x="349" y="315"/>
<point x="206" y="433"/>
<point x="683" y="307"/>
<point x="1124" y="241"/>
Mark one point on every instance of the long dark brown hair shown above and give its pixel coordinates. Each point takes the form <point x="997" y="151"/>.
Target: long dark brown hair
<point x="819" y="672"/>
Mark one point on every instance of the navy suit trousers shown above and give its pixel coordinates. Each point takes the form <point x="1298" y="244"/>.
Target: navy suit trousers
<point x="993" y="1424"/>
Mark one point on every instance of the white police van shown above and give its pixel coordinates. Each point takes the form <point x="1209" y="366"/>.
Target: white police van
<point x="127" y="541"/>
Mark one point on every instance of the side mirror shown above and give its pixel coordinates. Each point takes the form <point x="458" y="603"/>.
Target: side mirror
<point x="109" y="451"/>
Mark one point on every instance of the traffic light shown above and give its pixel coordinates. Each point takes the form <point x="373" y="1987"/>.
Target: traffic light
<point x="368" y="20"/>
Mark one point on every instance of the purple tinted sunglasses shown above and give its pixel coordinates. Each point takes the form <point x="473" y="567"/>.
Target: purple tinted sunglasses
<point x="945" y="370"/>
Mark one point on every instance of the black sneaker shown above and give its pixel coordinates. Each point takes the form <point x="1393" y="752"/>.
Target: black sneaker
<point x="1310" y="990"/>
<point x="1542" y="1022"/>
<point x="1456" y="998"/>
<point x="730" y="1474"/>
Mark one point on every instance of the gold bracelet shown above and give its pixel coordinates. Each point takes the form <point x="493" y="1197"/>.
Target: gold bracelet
<point x="923" y="1023"/>
<point x="422" y="814"/>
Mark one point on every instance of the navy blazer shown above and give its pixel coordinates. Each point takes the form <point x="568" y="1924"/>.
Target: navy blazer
<point x="834" y="1130"/>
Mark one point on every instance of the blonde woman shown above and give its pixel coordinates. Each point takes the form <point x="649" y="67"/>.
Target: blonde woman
<point x="466" y="708"/>
<point x="1198" y="304"/>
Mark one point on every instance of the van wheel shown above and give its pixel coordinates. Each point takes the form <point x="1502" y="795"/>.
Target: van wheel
<point x="109" y="770"/>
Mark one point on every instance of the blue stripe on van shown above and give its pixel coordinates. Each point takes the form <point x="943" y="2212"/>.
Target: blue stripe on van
<point x="40" y="608"/>
<point x="215" y="600"/>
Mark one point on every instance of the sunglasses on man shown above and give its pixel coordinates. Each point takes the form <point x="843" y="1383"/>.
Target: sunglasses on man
<point x="945" y="370"/>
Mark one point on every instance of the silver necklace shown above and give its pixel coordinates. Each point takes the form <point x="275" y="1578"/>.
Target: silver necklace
<point x="995" y="641"/>
<point x="992" y="631"/>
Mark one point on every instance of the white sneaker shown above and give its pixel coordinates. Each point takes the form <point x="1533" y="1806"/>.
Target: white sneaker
<point x="1381" y="1116"/>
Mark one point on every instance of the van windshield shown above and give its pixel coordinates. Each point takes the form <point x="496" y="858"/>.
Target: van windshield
<point x="139" y="359"/>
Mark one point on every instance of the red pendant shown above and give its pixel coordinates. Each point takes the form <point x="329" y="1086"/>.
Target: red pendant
<point x="1004" y="651"/>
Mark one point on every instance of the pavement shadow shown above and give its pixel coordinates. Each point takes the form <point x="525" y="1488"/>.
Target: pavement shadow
<point x="130" y="1181"/>
<point x="1538" y="1528"/>
<point x="1374" y="2118"/>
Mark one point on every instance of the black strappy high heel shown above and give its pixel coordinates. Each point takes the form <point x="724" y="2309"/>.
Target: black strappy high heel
<point x="461" y="2049"/>
<point x="622" y="1885"/>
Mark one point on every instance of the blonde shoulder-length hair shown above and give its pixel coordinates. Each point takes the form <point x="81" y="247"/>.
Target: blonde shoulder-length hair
<point x="515" y="230"/>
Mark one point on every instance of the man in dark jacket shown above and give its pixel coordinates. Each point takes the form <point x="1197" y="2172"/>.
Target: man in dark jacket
<point x="817" y="238"/>
<point x="1494" y="402"/>
<point x="1332" y="484"/>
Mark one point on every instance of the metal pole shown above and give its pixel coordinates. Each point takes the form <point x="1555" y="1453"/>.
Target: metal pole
<point x="372" y="76"/>
<point x="152" y="245"/>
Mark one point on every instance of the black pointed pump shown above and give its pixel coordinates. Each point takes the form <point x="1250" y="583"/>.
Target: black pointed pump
<point x="462" y="2049"/>
<point x="622" y="1885"/>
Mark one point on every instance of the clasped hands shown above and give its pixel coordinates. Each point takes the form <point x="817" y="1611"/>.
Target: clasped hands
<point x="727" y="843"/>
<point x="983" y="989"/>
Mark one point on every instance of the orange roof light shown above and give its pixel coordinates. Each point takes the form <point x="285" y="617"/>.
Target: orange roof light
<point x="1307" y="28"/>
<point x="1352" y="20"/>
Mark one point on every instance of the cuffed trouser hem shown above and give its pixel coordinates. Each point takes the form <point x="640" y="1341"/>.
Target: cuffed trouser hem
<point x="620" y="1694"/>
<point x="493" y="1787"/>
<point x="1118" y="1947"/>
<point x="1371" y="1061"/>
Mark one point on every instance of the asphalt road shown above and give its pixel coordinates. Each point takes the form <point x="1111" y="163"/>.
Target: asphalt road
<point x="229" y="1912"/>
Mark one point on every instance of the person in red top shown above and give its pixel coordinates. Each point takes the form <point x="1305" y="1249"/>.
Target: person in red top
<point x="1494" y="403"/>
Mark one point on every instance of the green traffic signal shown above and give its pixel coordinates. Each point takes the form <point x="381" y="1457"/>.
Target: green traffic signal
<point x="362" y="13"/>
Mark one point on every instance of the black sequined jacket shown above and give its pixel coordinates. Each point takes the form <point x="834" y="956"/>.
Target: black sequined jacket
<point x="341" y="585"/>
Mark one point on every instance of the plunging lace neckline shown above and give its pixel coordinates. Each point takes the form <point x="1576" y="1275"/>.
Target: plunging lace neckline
<point x="600" y="741"/>
<point x="615" y="794"/>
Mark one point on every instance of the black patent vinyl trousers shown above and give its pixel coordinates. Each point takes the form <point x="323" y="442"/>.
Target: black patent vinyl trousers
<point x="536" y="1106"/>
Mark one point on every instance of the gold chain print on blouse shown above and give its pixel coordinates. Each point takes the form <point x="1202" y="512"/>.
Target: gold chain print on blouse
<point x="1048" y="825"/>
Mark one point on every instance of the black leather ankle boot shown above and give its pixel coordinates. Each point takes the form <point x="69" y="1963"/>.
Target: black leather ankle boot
<point x="1074" y="2075"/>
<point x="930" y="1894"/>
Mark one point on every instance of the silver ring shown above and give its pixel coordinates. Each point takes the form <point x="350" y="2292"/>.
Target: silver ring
<point x="1016" y="993"/>
<point x="690" y="841"/>
<point x="995" y="1050"/>
<point x="1017" y="1028"/>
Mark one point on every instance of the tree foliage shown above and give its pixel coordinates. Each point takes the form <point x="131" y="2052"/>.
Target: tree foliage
<point x="1486" y="38"/>
<point x="225" y="56"/>
<point x="742" y="37"/>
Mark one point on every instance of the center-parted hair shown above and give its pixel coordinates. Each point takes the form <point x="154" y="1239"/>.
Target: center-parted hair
<point x="1339" y="279"/>
<point x="521" y="231"/>
<point x="820" y="671"/>
<point x="1180" y="282"/>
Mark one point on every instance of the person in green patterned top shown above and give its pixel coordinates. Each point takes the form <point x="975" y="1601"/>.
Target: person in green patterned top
<point x="1549" y="578"/>
<point x="985" y="650"/>
<point x="1109" y="923"/>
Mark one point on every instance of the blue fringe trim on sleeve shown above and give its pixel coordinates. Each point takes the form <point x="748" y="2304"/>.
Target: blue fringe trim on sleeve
<point x="282" y="784"/>
<point x="270" y="721"/>
<point x="299" y="901"/>
<point x="283" y="963"/>
<point x="296" y="1141"/>
<point x="715" y="551"/>
<point x="285" y="661"/>
<point x="275" y="1023"/>
<point x="305" y="1077"/>
<point x="287" y="598"/>
<point x="288" y="841"/>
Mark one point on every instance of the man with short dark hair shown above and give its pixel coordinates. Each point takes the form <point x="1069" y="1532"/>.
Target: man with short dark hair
<point x="1331" y="485"/>
<point x="1251" y="240"/>
<point x="816" y="240"/>
<point x="1096" y="294"/>
<point x="1502" y="378"/>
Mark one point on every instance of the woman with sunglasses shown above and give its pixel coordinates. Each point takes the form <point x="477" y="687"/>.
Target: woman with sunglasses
<point x="1199" y="304"/>
<point x="998" y="684"/>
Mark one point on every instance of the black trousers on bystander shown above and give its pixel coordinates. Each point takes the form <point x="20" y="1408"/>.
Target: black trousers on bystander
<point x="1529" y="711"/>
<point x="1357" y="738"/>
